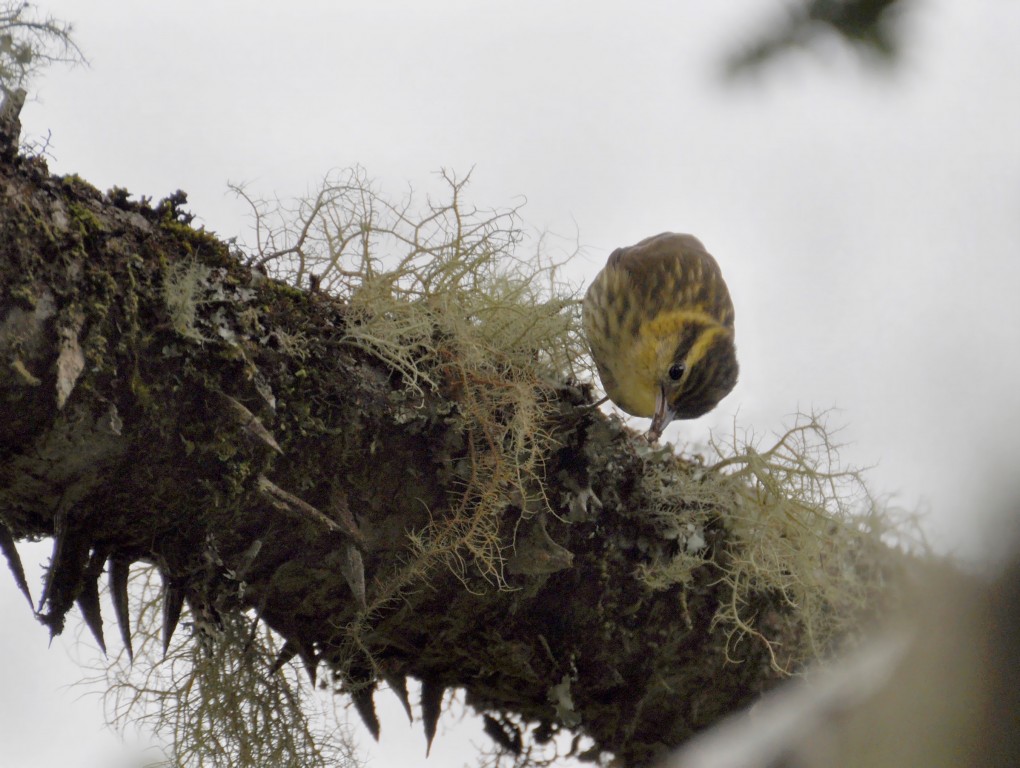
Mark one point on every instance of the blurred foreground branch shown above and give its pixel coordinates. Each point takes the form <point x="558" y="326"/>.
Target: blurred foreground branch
<point x="870" y="27"/>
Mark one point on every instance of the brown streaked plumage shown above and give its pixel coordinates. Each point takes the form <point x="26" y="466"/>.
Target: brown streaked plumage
<point x="659" y="323"/>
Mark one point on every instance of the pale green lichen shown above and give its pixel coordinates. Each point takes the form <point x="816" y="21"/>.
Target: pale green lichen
<point x="439" y="293"/>
<point x="184" y="286"/>
<point x="804" y="528"/>
<point x="212" y="698"/>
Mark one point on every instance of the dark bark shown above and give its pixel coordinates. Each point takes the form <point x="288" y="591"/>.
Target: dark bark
<point x="228" y="451"/>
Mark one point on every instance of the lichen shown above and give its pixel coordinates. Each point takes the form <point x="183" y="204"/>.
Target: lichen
<point x="185" y="284"/>
<point x="440" y="296"/>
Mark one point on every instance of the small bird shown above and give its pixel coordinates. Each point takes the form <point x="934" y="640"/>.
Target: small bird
<point x="659" y="323"/>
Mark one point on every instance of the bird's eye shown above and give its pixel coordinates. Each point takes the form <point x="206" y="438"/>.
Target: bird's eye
<point x="676" y="371"/>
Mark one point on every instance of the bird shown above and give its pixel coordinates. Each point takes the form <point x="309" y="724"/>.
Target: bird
<point x="659" y="323"/>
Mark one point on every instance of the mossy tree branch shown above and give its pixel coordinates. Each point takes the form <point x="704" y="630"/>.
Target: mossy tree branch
<point x="448" y="514"/>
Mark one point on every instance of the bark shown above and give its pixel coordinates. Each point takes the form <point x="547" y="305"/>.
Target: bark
<point x="248" y="443"/>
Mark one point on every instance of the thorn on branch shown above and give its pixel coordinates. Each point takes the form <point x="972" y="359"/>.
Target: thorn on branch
<point x="173" y="604"/>
<point x="398" y="684"/>
<point x="364" y="703"/>
<point x="14" y="562"/>
<point x="88" y="596"/>
<point x="120" y="572"/>
<point x="353" y="569"/>
<point x="288" y="502"/>
<point x="88" y="604"/>
<point x="70" y="361"/>
<point x="288" y="652"/>
<point x="291" y="648"/>
<point x="431" y="707"/>
<point x="251" y="423"/>
<point x="64" y="575"/>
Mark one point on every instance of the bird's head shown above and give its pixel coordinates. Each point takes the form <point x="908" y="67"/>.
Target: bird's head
<point x="689" y="359"/>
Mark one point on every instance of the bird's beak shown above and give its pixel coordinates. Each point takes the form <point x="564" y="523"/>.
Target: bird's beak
<point x="662" y="416"/>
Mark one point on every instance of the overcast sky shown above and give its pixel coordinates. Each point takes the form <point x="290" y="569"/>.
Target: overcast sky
<point x="868" y="223"/>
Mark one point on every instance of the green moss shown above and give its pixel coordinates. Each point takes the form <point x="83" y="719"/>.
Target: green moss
<point x="24" y="295"/>
<point x="176" y="222"/>
<point x="25" y="375"/>
<point x="86" y="225"/>
<point x="142" y="392"/>
<point x="77" y="187"/>
<point x="198" y="242"/>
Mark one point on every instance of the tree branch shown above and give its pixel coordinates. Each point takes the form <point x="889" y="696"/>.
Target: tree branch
<point x="507" y="538"/>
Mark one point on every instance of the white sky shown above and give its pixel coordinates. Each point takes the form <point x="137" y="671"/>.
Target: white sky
<point x="868" y="226"/>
